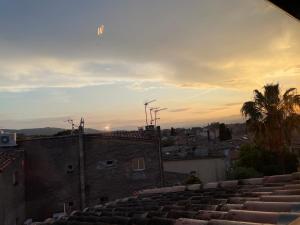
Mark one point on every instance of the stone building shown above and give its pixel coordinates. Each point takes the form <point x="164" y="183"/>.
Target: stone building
<point x="66" y="173"/>
<point x="12" y="190"/>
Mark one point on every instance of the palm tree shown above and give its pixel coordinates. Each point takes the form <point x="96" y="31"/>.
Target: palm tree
<point x="272" y="116"/>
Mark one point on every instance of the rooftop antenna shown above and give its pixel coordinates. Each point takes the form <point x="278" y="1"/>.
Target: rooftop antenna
<point x="146" y="104"/>
<point x="155" y="114"/>
<point x="71" y="121"/>
<point x="81" y="125"/>
<point x="150" y="110"/>
<point x="157" y="118"/>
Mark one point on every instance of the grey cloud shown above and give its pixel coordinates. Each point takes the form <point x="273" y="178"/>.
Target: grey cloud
<point x="191" y="39"/>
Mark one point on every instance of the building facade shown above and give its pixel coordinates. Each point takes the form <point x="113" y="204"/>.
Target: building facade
<point x="12" y="189"/>
<point x="207" y="169"/>
<point x="66" y="173"/>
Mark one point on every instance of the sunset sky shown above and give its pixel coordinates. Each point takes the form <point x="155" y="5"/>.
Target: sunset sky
<point x="199" y="58"/>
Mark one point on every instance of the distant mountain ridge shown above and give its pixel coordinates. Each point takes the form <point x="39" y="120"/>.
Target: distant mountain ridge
<point x="45" y="131"/>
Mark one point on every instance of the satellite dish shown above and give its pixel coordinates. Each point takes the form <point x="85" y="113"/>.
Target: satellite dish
<point x="100" y="30"/>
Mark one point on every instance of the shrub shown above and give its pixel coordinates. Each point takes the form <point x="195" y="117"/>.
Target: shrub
<point x="243" y="173"/>
<point x="266" y="162"/>
<point x="193" y="179"/>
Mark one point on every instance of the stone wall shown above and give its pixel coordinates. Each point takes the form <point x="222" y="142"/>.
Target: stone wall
<point x="52" y="165"/>
<point x="50" y="183"/>
<point x="12" y="194"/>
<point x="109" y="169"/>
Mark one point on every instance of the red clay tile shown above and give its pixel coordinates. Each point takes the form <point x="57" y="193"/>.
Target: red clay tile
<point x="280" y="198"/>
<point x="257" y="216"/>
<point x="185" y="221"/>
<point x="278" y="178"/>
<point x="271" y="206"/>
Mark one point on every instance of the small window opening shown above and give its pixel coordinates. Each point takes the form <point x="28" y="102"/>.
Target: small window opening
<point x="68" y="206"/>
<point x="104" y="199"/>
<point x="71" y="204"/>
<point x="138" y="164"/>
<point x="70" y="169"/>
<point x="109" y="162"/>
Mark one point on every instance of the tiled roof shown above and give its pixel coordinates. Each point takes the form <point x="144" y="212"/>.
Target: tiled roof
<point x="6" y="158"/>
<point x="268" y="200"/>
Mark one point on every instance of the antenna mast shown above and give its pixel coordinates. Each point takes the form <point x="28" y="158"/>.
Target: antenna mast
<point x="81" y="125"/>
<point x="155" y="115"/>
<point x="71" y="121"/>
<point x="146" y="104"/>
<point x="150" y="110"/>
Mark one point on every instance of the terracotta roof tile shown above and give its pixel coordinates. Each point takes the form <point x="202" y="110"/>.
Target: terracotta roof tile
<point x="257" y="201"/>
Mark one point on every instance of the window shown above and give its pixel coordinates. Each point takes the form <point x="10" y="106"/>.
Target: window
<point x="70" y="169"/>
<point x="103" y="199"/>
<point x="109" y="162"/>
<point x="138" y="164"/>
<point x="71" y="204"/>
<point x="68" y="207"/>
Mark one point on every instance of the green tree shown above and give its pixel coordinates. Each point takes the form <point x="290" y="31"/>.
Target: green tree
<point x="273" y="116"/>
<point x="66" y="132"/>
<point x="254" y="160"/>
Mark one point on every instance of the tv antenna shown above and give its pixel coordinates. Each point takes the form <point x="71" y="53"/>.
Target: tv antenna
<point x="71" y="121"/>
<point x="155" y="115"/>
<point x="146" y="104"/>
<point x="81" y="126"/>
<point x="150" y="110"/>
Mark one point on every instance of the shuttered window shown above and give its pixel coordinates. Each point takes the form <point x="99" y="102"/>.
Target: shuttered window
<point x="138" y="164"/>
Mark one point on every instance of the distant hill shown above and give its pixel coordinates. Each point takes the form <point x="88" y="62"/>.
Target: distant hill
<point x="45" y="131"/>
<point x="91" y="131"/>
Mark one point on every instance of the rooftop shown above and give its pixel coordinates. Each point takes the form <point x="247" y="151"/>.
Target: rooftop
<point x="268" y="200"/>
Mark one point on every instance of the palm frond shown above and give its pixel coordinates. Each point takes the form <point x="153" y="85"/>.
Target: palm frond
<point x="249" y="109"/>
<point x="288" y="92"/>
<point x="259" y="99"/>
<point x="272" y="95"/>
<point x="273" y="117"/>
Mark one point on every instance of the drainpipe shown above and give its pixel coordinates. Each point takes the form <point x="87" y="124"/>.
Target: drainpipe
<point x="82" y="171"/>
<point x="162" y="175"/>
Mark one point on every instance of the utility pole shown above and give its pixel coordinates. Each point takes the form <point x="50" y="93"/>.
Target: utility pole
<point x="82" y="163"/>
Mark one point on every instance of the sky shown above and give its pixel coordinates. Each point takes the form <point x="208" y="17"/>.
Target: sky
<point x="201" y="59"/>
